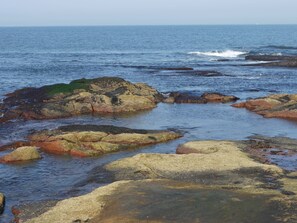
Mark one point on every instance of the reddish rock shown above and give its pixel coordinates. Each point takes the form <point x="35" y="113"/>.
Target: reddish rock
<point x="92" y="140"/>
<point x="273" y="106"/>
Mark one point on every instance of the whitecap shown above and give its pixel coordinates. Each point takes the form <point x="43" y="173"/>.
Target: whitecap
<point x="226" y="53"/>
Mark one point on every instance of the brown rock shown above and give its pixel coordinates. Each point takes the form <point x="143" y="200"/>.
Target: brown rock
<point x="273" y="106"/>
<point x="179" y="97"/>
<point x="21" y="154"/>
<point x="85" y="96"/>
<point x="2" y="203"/>
<point x="92" y="140"/>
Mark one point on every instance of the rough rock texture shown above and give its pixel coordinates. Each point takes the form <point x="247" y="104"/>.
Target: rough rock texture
<point x="179" y="97"/>
<point x="92" y="140"/>
<point x="84" y="96"/>
<point x="274" y="60"/>
<point x="273" y="106"/>
<point x="2" y="203"/>
<point x="223" y="185"/>
<point x="169" y="201"/>
<point x="21" y="154"/>
<point x="210" y="162"/>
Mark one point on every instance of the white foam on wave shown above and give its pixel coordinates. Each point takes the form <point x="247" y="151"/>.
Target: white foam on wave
<point x="226" y="53"/>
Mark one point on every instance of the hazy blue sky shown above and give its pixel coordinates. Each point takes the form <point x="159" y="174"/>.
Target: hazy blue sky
<point x="136" y="12"/>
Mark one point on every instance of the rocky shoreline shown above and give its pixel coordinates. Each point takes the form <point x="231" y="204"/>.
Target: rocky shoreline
<point x="200" y="171"/>
<point x="205" y="181"/>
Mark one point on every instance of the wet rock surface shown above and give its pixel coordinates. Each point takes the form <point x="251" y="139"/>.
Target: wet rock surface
<point x="85" y="96"/>
<point x="93" y="140"/>
<point x="181" y="97"/>
<point x="280" y="151"/>
<point x="273" y="106"/>
<point x="20" y="154"/>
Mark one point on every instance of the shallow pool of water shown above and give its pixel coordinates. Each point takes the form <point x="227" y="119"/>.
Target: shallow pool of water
<point x="57" y="177"/>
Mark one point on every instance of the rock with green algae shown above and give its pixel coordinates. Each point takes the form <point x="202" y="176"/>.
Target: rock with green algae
<point x="85" y="96"/>
<point x="93" y="140"/>
<point x="20" y="154"/>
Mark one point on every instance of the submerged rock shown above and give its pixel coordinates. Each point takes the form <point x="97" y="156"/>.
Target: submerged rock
<point x="202" y="73"/>
<point x="25" y="153"/>
<point x="84" y="96"/>
<point x="92" y="140"/>
<point x="273" y="60"/>
<point x="2" y="203"/>
<point x="179" y="97"/>
<point x="273" y="106"/>
<point x="170" y="201"/>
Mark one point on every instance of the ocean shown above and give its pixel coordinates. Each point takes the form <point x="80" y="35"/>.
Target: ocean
<point x="37" y="56"/>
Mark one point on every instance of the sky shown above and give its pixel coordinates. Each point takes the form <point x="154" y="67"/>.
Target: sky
<point x="145" y="12"/>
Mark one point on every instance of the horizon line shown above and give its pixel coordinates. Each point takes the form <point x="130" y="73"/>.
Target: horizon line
<point x="135" y="25"/>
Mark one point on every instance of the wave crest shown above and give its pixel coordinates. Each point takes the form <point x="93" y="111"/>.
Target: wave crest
<point x="226" y="53"/>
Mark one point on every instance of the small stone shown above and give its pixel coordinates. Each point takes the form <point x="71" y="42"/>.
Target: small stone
<point x="21" y="154"/>
<point x="2" y="203"/>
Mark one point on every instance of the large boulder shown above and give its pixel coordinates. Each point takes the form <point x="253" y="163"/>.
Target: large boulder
<point x="273" y="106"/>
<point x="2" y="203"/>
<point x="25" y="153"/>
<point x="92" y="140"/>
<point x="84" y="96"/>
<point x="180" y="97"/>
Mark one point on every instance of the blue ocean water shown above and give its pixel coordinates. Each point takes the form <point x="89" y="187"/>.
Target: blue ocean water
<point x="39" y="56"/>
<point x="47" y="55"/>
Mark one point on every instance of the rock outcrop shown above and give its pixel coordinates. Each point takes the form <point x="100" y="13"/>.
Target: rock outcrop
<point x="180" y="97"/>
<point x="2" y="203"/>
<point x="25" y="153"/>
<point x="85" y="96"/>
<point x="208" y="181"/>
<point x="273" y="106"/>
<point x="92" y="140"/>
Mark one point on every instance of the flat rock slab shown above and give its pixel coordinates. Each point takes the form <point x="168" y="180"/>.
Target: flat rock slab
<point x="85" y="96"/>
<point x="207" y="162"/>
<point x="93" y="140"/>
<point x="170" y="201"/>
<point x="273" y="106"/>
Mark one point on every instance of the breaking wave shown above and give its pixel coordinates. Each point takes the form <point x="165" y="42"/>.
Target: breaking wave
<point x="226" y="53"/>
